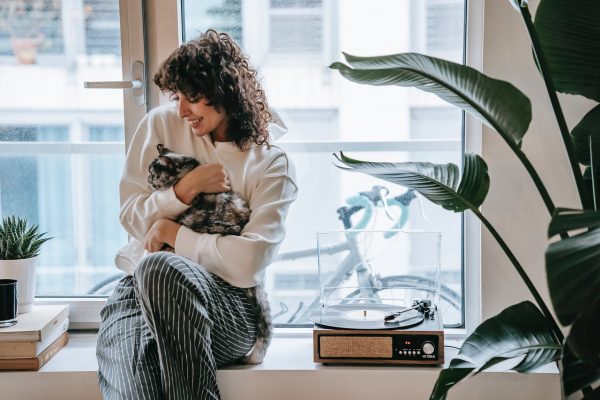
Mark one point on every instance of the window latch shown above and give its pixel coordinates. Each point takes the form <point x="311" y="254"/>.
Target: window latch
<point x="137" y="84"/>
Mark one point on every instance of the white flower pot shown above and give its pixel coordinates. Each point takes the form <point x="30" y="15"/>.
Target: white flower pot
<point x="23" y="271"/>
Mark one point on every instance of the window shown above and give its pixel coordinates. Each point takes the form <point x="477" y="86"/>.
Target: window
<point x="61" y="146"/>
<point x="72" y="194"/>
<point x="296" y="26"/>
<point x="326" y="113"/>
<point x="61" y="151"/>
<point x="437" y="28"/>
<point x="102" y="31"/>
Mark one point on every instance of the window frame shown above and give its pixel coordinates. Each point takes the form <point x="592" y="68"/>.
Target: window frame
<point x="84" y="312"/>
<point x="162" y="38"/>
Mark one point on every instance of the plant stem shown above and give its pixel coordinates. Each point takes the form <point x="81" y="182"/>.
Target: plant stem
<point x="538" y="298"/>
<point x="537" y="181"/>
<point x="560" y="118"/>
<point x="535" y="177"/>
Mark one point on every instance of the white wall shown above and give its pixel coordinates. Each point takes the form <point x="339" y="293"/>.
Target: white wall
<point x="513" y="204"/>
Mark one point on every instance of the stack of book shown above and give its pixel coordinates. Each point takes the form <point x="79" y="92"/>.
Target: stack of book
<point x="35" y="338"/>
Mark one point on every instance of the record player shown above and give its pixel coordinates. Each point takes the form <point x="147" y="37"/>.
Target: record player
<point x="378" y="300"/>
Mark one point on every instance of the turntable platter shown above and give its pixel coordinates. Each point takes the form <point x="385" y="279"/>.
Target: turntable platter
<point x="364" y="316"/>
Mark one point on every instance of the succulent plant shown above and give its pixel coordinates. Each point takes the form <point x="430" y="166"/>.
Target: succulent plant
<point x="18" y="241"/>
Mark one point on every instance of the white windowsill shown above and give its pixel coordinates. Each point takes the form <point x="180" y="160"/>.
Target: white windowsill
<point x="287" y="373"/>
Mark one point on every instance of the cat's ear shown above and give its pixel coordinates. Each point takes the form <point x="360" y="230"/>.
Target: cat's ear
<point x="164" y="160"/>
<point x="160" y="148"/>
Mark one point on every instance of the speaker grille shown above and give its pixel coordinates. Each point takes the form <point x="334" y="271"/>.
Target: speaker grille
<point x="355" y="347"/>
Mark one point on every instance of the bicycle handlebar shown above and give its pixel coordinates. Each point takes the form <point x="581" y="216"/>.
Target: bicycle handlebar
<point x="368" y="201"/>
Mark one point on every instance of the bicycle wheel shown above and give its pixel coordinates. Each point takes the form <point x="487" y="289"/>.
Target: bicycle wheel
<point x="105" y="286"/>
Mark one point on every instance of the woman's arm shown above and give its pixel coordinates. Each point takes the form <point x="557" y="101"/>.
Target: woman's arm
<point x="141" y="206"/>
<point x="238" y="259"/>
<point x="206" y="178"/>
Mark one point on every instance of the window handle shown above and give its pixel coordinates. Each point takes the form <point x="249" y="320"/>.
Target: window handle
<point x="134" y="84"/>
<point x="137" y="84"/>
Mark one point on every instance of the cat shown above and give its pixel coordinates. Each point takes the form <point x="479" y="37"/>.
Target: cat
<point x="224" y="213"/>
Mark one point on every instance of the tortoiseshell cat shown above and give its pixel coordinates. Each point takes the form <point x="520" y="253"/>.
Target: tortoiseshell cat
<point x="223" y="213"/>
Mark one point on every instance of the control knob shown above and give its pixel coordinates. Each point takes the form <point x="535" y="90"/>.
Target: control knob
<point x="428" y="348"/>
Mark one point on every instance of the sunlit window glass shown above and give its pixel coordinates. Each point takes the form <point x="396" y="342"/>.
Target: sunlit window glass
<point x="61" y="147"/>
<point x="292" y="43"/>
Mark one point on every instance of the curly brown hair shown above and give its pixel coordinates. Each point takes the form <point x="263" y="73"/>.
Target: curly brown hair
<point x="213" y="67"/>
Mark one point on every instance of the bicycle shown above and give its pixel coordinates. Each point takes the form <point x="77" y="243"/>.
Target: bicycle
<point x="371" y="285"/>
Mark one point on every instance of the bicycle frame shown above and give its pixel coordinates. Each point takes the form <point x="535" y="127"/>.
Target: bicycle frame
<point x="368" y="283"/>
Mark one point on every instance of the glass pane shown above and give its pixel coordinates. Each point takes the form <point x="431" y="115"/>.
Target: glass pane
<point x="296" y="33"/>
<point x="316" y="210"/>
<point x="292" y="43"/>
<point x="47" y="49"/>
<point x="295" y="3"/>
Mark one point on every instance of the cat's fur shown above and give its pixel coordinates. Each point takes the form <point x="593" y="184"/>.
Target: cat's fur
<point x="223" y="213"/>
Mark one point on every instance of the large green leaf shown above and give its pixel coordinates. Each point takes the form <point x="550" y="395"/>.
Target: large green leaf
<point x="585" y="331"/>
<point x="588" y="126"/>
<point x="573" y="266"/>
<point x="570" y="35"/>
<point x="565" y="220"/>
<point x="440" y="183"/>
<point x="589" y="184"/>
<point x="520" y="330"/>
<point x="577" y="375"/>
<point x="497" y="103"/>
<point x="573" y="273"/>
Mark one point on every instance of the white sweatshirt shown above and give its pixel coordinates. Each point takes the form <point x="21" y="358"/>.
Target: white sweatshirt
<point x="263" y="176"/>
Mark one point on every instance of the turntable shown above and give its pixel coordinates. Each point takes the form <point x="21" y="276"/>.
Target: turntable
<point x="378" y="304"/>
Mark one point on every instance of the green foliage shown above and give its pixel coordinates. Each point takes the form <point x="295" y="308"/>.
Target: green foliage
<point x="573" y="271"/>
<point x="577" y="374"/>
<point x="440" y="183"/>
<point x="570" y="36"/>
<point x="566" y="44"/>
<point x="586" y="143"/>
<point x="518" y="331"/>
<point x="18" y="241"/>
<point x="497" y="103"/>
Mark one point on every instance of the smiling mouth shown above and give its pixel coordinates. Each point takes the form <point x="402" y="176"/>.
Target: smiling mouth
<point x="194" y="123"/>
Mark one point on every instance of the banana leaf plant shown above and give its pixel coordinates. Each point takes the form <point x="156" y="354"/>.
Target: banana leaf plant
<point x="565" y="40"/>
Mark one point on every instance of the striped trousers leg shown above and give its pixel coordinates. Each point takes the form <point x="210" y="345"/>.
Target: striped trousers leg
<point x="167" y="329"/>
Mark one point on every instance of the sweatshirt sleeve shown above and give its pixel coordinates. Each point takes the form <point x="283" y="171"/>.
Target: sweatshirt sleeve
<point x="141" y="206"/>
<point x="239" y="259"/>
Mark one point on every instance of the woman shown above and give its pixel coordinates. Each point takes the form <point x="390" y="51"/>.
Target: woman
<point x="178" y="317"/>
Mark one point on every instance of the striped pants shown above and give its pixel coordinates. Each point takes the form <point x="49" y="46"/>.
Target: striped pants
<point x="166" y="330"/>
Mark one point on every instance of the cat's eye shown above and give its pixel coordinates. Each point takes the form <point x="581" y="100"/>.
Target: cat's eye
<point x="173" y="97"/>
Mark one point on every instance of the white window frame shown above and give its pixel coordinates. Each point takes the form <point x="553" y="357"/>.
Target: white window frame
<point x="163" y="38"/>
<point x="85" y="311"/>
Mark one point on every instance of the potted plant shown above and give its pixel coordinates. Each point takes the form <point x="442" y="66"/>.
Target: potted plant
<point x="565" y="39"/>
<point x="19" y="250"/>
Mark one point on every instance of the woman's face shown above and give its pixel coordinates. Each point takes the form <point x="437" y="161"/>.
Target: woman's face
<point x="202" y="118"/>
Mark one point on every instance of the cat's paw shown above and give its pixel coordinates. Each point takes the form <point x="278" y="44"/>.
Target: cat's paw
<point x="256" y="356"/>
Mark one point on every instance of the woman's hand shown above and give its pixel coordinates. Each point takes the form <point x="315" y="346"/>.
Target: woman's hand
<point x="206" y="178"/>
<point x="161" y="232"/>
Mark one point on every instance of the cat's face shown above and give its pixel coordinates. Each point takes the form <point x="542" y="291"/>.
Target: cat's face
<point x="168" y="168"/>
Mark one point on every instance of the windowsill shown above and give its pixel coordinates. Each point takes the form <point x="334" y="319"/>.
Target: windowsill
<point x="287" y="372"/>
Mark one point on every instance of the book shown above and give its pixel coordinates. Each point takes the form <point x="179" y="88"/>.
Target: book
<point x="35" y="325"/>
<point x="35" y="363"/>
<point x="32" y="349"/>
